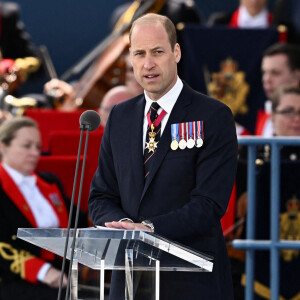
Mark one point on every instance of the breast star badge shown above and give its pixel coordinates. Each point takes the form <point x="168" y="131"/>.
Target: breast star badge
<point x="152" y="145"/>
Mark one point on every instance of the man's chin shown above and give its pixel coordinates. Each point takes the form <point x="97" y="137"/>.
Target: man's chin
<point x="268" y="94"/>
<point x="31" y="168"/>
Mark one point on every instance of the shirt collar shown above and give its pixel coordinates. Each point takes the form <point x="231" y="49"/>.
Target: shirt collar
<point x="19" y="178"/>
<point x="167" y="101"/>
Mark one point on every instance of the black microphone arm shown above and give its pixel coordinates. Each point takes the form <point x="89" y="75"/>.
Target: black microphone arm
<point x="89" y="120"/>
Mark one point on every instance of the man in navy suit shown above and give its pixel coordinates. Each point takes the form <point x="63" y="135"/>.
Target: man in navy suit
<point x="179" y="190"/>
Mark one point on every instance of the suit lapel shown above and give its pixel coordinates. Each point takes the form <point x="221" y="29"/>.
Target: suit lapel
<point x="136" y="143"/>
<point x="13" y="192"/>
<point x="177" y="115"/>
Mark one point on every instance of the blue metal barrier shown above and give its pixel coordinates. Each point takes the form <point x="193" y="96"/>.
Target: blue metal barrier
<point x="274" y="244"/>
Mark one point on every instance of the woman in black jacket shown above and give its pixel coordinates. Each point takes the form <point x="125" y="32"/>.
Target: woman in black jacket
<point x="27" y="200"/>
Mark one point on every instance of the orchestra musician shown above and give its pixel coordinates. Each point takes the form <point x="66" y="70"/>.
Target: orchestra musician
<point x="18" y="55"/>
<point x="28" y="200"/>
<point x="280" y="66"/>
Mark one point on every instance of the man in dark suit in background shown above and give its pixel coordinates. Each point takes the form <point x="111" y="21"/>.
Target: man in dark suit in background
<point x="15" y="42"/>
<point x="181" y="187"/>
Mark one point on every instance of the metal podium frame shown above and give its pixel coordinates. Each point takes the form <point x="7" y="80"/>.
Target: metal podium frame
<point x="129" y="250"/>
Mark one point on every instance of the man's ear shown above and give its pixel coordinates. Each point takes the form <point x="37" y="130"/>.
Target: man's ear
<point x="177" y="52"/>
<point x="297" y="71"/>
<point x="2" y="148"/>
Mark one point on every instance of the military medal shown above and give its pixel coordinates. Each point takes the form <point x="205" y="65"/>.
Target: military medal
<point x="182" y="142"/>
<point x="190" y="143"/>
<point x="152" y="145"/>
<point x="174" y="131"/>
<point x="190" y="140"/>
<point x="174" y="145"/>
<point x="200" y="135"/>
<point x="56" y="201"/>
<point x="199" y="143"/>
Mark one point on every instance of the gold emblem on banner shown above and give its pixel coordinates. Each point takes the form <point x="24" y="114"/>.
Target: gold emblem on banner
<point x="290" y="227"/>
<point x="230" y="87"/>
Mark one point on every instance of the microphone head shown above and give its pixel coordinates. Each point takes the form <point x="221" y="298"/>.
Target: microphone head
<point x="90" y="120"/>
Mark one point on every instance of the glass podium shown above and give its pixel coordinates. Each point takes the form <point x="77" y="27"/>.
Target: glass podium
<point x="129" y="250"/>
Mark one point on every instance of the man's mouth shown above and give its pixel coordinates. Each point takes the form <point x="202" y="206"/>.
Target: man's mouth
<point x="151" y="76"/>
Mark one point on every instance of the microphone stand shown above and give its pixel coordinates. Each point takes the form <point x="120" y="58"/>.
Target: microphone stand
<point x="82" y="127"/>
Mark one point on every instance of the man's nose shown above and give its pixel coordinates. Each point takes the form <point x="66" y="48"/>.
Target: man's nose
<point x="296" y="115"/>
<point x="266" y="78"/>
<point x="149" y="62"/>
<point x="35" y="151"/>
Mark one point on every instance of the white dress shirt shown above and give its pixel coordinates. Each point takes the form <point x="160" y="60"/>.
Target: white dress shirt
<point x="268" y="130"/>
<point x="43" y="212"/>
<point x="245" y="20"/>
<point x="166" y="102"/>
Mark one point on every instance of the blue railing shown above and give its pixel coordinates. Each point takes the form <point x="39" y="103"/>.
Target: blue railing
<point x="274" y="244"/>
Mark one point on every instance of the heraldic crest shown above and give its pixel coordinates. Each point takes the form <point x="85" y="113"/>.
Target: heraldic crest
<point x="230" y="87"/>
<point x="290" y="227"/>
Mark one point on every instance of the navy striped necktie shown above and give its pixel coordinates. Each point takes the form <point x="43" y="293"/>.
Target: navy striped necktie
<point x="149" y="154"/>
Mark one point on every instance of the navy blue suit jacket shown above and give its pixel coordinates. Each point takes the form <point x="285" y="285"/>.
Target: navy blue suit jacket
<point x="186" y="192"/>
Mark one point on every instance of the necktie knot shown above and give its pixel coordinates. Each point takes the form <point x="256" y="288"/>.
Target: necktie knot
<point x="154" y="111"/>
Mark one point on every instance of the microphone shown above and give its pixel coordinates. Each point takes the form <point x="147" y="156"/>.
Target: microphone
<point x="89" y="120"/>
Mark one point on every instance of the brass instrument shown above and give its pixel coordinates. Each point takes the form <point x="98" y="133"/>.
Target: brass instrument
<point x="27" y="65"/>
<point x="18" y="73"/>
<point x="14" y="73"/>
<point x="18" y="105"/>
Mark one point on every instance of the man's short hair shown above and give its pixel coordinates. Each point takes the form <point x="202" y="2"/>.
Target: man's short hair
<point x="156" y="18"/>
<point x="291" y="51"/>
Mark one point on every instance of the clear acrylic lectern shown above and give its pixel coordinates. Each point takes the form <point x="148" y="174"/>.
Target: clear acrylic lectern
<point x="103" y="249"/>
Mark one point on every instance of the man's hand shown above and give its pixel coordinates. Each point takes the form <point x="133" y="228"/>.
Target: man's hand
<point x="59" y="89"/>
<point x="52" y="278"/>
<point x="128" y="225"/>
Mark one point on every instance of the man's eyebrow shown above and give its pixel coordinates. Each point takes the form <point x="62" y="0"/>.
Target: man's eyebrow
<point x="138" y="50"/>
<point x="152" y="49"/>
<point x="157" y="47"/>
